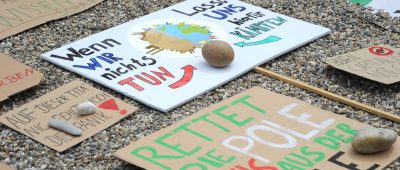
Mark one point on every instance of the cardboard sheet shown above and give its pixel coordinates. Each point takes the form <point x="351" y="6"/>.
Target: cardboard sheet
<point x="156" y="59"/>
<point x="380" y="63"/>
<point x="16" y="77"/>
<point x="19" y="15"/>
<point x="32" y="119"/>
<point x="5" y="167"/>
<point x="257" y="129"/>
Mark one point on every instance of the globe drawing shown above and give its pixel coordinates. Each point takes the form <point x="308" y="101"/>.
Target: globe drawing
<point x="182" y="37"/>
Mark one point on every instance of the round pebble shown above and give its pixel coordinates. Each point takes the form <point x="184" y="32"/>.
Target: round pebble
<point x="86" y="108"/>
<point x="218" y="53"/>
<point x="372" y="140"/>
<point x="65" y="127"/>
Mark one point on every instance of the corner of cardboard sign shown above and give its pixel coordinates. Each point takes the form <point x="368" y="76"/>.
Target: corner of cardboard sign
<point x="16" y="77"/>
<point x="5" y="167"/>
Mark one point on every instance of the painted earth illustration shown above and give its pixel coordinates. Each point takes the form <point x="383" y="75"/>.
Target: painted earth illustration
<point x="182" y="37"/>
<point x="179" y="37"/>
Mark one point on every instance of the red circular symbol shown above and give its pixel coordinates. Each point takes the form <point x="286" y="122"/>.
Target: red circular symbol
<point x="380" y="51"/>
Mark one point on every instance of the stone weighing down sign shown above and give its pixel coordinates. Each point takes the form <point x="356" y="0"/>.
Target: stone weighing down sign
<point x="156" y="59"/>
<point x="257" y="130"/>
<point x="32" y="119"/>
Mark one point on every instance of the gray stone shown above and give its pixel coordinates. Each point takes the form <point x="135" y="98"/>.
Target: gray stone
<point x="372" y="140"/>
<point x="65" y="127"/>
<point x="86" y="108"/>
<point x="218" y="53"/>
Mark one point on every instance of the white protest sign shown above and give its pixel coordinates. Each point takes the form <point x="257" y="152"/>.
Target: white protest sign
<point x="156" y="59"/>
<point x="390" y="6"/>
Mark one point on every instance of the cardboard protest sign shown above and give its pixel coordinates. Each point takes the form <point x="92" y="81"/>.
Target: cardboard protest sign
<point x="19" y="15"/>
<point x="16" y="77"/>
<point x="5" y="167"/>
<point x="156" y="59"/>
<point x="32" y="119"/>
<point x="257" y="129"/>
<point x="380" y="63"/>
<point x="390" y="6"/>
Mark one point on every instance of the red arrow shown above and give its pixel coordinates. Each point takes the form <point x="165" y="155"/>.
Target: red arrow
<point x="187" y="76"/>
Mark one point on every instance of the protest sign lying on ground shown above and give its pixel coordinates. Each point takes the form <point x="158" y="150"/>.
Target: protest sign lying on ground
<point x="156" y="59"/>
<point x="32" y="118"/>
<point x="390" y="6"/>
<point x="16" y="77"/>
<point x="19" y="15"/>
<point x="5" y="167"/>
<point x="380" y="63"/>
<point x="257" y="129"/>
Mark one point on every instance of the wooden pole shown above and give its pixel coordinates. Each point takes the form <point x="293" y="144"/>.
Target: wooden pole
<point x="329" y="95"/>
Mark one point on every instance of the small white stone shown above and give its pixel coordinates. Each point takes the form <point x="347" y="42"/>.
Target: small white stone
<point x="65" y="127"/>
<point x="371" y="140"/>
<point x="86" y="108"/>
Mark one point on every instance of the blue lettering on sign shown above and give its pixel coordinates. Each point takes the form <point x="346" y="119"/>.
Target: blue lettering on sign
<point x="224" y="13"/>
<point x="106" y="57"/>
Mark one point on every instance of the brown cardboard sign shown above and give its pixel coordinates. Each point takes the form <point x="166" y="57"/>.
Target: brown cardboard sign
<point x="16" y="77"/>
<point x="380" y="63"/>
<point x="5" y="167"/>
<point x="256" y="129"/>
<point x="32" y="119"/>
<point x="19" y="15"/>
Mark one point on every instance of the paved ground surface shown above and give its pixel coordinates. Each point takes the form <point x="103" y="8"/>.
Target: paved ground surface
<point x="352" y="29"/>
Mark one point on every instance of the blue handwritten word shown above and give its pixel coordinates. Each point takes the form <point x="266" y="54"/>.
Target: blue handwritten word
<point x="224" y="13"/>
<point x="106" y="57"/>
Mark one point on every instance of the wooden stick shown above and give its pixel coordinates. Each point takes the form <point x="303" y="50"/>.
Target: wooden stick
<point x="329" y="95"/>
